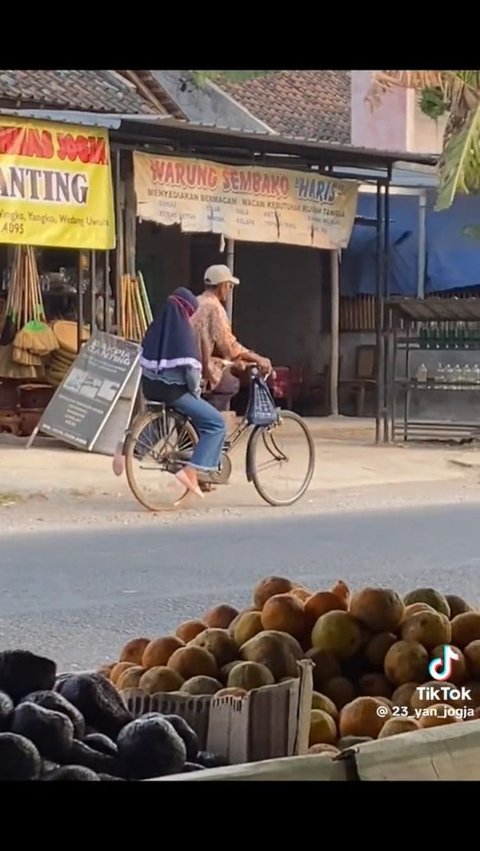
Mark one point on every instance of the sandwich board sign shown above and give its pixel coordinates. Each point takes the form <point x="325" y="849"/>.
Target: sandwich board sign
<point x="92" y="407"/>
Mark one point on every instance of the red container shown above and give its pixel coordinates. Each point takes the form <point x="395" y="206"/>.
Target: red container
<point x="35" y="396"/>
<point x="280" y="382"/>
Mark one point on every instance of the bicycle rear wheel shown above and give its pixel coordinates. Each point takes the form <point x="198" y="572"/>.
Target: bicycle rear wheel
<point x="282" y="458"/>
<point x="159" y="445"/>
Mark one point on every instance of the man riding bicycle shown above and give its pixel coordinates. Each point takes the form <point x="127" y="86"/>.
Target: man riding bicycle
<point x="216" y="341"/>
<point x="186" y="436"/>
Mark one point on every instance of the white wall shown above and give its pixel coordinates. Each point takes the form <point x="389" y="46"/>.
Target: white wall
<point x="397" y="124"/>
<point x="427" y="135"/>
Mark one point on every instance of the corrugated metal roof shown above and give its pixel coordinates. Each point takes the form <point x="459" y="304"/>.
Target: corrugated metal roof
<point x="331" y="152"/>
<point x="351" y="158"/>
<point x="410" y="178"/>
<point x="87" y="119"/>
<point x="437" y="309"/>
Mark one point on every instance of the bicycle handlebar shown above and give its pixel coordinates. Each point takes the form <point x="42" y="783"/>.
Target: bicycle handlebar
<point x="254" y="369"/>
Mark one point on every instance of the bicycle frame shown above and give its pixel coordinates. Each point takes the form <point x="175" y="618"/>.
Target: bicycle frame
<point x="258" y="419"/>
<point x="235" y="437"/>
<point x="231" y="440"/>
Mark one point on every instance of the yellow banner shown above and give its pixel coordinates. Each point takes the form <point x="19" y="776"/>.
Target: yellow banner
<point x="246" y="202"/>
<point x="55" y="185"/>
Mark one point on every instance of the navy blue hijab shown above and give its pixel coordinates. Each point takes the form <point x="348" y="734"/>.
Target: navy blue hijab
<point x="169" y="341"/>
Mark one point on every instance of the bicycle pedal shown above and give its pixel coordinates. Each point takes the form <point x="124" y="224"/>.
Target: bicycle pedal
<point x="213" y="478"/>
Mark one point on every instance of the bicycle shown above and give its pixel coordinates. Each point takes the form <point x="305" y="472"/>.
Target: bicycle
<point x="167" y="438"/>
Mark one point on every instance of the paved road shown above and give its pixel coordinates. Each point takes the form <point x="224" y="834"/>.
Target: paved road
<point x="77" y="597"/>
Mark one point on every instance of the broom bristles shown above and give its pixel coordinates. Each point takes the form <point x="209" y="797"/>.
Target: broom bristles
<point x="41" y="341"/>
<point x="25" y="358"/>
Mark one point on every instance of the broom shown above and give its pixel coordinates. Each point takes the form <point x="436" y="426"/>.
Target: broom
<point x="14" y="301"/>
<point x="36" y="336"/>
<point x="19" y="355"/>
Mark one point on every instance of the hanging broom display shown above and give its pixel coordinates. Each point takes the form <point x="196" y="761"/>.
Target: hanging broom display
<point x="13" y="308"/>
<point x="35" y="339"/>
<point x="135" y="310"/>
<point x="25" y="337"/>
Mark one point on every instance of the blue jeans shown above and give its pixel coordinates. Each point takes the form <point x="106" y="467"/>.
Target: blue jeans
<point x="210" y="427"/>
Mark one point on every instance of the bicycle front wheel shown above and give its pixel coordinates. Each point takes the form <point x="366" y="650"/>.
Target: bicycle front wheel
<point x="282" y="458"/>
<point x="158" y="446"/>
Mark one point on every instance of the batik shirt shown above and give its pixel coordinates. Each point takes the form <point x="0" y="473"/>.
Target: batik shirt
<point x="215" y="338"/>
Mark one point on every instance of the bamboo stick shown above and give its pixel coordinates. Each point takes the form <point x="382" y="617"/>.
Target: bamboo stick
<point x="30" y="311"/>
<point x="125" y="297"/>
<point x="140" y="307"/>
<point x="138" y="320"/>
<point x="123" y="306"/>
<point x="129" y="309"/>
<point x="17" y="294"/>
<point x="121" y="293"/>
<point x="145" y="299"/>
<point x="27" y="287"/>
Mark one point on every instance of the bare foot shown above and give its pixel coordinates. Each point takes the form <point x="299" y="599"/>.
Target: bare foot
<point x="118" y="463"/>
<point x="188" y="478"/>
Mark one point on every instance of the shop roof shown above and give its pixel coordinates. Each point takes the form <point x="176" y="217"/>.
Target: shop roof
<point x="434" y="309"/>
<point x="410" y="179"/>
<point x="103" y="91"/>
<point x="289" y="151"/>
<point x="312" y="104"/>
<point x="153" y="132"/>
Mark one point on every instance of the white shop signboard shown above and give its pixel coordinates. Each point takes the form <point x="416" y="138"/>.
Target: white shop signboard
<point x="94" y="403"/>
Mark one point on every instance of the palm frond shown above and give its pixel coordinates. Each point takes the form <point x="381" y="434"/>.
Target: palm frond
<point x="384" y="81"/>
<point x="460" y="89"/>
<point x="459" y="166"/>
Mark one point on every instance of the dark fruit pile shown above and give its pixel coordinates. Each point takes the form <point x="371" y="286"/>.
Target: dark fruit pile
<point x="76" y="727"/>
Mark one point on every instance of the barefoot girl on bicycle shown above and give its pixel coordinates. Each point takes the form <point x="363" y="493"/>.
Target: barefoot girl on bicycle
<point x="172" y="373"/>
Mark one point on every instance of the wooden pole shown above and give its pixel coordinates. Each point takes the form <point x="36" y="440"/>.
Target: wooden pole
<point x="120" y="247"/>
<point x="230" y="264"/>
<point x="422" y="244"/>
<point x="335" y="324"/>
<point x="80" y="302"/>
<point x="130" y="219"/>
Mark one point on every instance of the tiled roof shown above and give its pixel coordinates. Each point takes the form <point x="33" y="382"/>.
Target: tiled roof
<point x="96" y="91"/>
<point x="310" y="104"/>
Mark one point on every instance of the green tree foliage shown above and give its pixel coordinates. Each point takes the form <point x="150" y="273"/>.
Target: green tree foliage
<point x="202" y="77"/>
<point x="458" y="94"/>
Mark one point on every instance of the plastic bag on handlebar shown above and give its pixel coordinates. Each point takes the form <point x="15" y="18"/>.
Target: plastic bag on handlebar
<point x="261" y="410"/>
